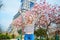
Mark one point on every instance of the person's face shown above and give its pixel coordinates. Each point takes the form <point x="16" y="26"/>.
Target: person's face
<point x="29" y="20"/>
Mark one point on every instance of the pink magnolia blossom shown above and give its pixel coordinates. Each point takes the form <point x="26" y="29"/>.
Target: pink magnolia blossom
<point x="17" y="21"/>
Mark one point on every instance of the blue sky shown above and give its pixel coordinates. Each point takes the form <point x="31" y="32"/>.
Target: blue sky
<point x="11" y="7"/>
<point x="8" y="10"/>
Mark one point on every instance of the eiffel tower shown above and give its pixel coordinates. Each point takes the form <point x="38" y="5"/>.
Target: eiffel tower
<point x="26" y="5"/>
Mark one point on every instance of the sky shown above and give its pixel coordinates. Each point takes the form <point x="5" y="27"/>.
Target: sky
<point x="11" y="7"/>
<point x="8" y="10"/>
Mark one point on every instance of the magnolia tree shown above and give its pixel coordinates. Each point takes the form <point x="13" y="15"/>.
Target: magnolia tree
<point x="47" y="13"/>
